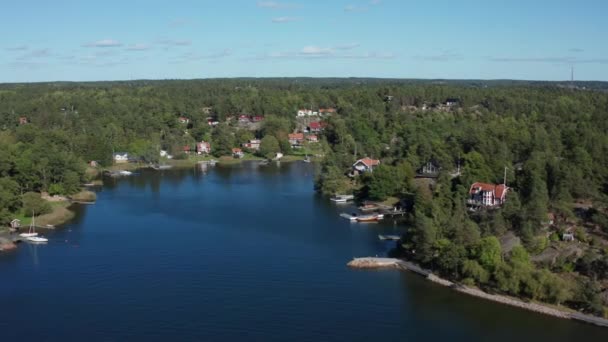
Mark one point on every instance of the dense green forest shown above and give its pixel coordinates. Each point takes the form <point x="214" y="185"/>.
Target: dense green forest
<point x="551" y="139"/>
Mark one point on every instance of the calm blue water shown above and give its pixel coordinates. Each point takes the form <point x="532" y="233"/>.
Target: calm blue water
<point x="236" y="253"/>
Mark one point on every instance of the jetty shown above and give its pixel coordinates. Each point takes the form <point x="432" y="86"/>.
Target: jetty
<point x="400" y="264"/>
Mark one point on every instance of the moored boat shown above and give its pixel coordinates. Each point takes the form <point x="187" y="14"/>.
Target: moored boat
<point x="370" y="218"/>
<point x="342" y="198"/>
<point x="37" y="239"/>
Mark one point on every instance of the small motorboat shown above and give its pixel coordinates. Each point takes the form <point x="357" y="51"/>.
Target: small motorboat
<point x="125" y="173"/>
<point x="37" y="239"/>
<point x="342" y="198"/>
<point x="370" y="218"/>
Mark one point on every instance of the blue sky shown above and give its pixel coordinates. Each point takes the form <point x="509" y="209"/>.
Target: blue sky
<point x="82" y="40"/>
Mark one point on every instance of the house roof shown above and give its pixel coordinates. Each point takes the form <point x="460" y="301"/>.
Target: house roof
<point x="498" y="190"/>
<point x="236" y="150"/>
<point x="327" y="110"/>
<point x="186" y="148"/>
<point x="312" y="137"/>
<point x="368" y="162"/>
<point x="296" y="136"/>
<point x="315" y="125"/>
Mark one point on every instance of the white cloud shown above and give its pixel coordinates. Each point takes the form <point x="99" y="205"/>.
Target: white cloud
<point x="195" y="56"/>
<point x="281" y="20"/>
<point x="138" y="47"/>
<point x="276" y="5"/>
<point x="174" y="42"/>
<point x="355" y="8"/>
<point x="315" y="50"/>
<point x="349" y="46"/>
<point x="104" y="43"/>
<point x="17" y="48"/>
<point x="179" y="22"/>
<point x="34" y="54"/>
<point x="443" y="56"/>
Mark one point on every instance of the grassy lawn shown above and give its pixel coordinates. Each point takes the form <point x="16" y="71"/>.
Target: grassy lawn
<point x="58" y="210"/>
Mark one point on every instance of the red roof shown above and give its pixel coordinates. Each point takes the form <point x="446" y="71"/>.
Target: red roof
<point x="296" y="136"/>
<point x="186" y="148"/>
<point x="236" y="150"/>
<point x="499" y="190"/>
<point x="315" y="125"/>
<point x="369" y="162"/>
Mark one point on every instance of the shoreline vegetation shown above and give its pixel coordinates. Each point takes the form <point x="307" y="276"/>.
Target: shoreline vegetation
<point x="542" y="308"/>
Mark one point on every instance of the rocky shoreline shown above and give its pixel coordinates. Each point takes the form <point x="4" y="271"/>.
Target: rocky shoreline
<point x="371" y="262"/>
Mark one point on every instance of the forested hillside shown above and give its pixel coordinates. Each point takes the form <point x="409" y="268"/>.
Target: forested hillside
<point x="553" y="142"/>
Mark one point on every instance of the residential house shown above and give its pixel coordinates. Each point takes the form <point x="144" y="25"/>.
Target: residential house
<point x="306" y="112"/>
<point x="237" y="153"/>
<point x="312" y="138"/>
<point x="120" y="157"/>
<point x="186" y="149"/>
<point x="93" y="163"/>
<point x="203" y="147"/>
<point x="183" y="120"/>
<point x="487" y="195"/>
<point x="316" y="127"/>
<point x="295" y="139"/>
<point x="244" y="119"/>
<point x="428" y="170"/>
<point x="257" y="118"/>
<point x="212" y="122"/>
<point x="23" y="120"/>
<point x="327" y="111"/>
<point x="365" y="165"/>
<point x="252" y="144"/>
<point x="450" y="102"/>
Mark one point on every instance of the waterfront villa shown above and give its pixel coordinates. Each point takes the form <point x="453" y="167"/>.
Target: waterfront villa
<point x="203" y="147"/>
<point x="120" y="157"/>
<point x="295" y="139"/>
<point x="237" y="153"/>
<point x="487" y="195"/>
<point x="365" y="165"/>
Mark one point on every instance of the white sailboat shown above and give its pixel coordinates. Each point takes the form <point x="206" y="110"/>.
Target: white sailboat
<point x="31" y="232"/>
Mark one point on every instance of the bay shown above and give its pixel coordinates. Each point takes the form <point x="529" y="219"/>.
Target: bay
<point x="243" y="252"/>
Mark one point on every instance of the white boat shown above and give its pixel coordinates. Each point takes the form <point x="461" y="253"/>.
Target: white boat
<point x="31" y="232"/>
<point x="307" y="159"/>
<point x="342" y="198"/>
<point x="125" y="173"/>
<point x="370" y="218"/>
<point x="350" y="217"/>
<point x="37" y="239"/>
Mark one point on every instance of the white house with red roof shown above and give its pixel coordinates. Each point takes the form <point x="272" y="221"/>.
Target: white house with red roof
<point x="203" y="147"/>
<point x="487" y="195"/>
<point x="312" y="138"/>
<point x="365" y="165"/>
<point x="295" y="139"/>
<point x="237" y="153"/>
<point x="316" y="126"/>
